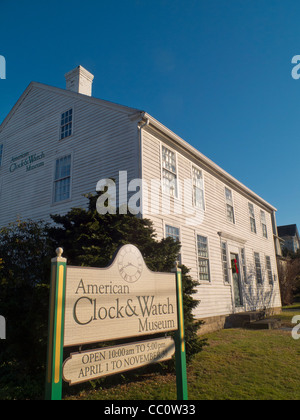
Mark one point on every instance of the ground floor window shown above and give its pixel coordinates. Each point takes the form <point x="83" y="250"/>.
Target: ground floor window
<point x="257" y="268"/>
<point x="62" y="179"/>
<point x="225" y="261"/>
<point x="269" y="269"/>
<point x="174" y="232"/>
<point x="203" y="258"/>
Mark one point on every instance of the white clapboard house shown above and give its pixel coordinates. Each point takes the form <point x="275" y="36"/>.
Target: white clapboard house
<point x="56" y="144"/>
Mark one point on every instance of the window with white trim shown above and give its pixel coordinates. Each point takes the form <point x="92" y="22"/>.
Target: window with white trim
<point x="269" y="269"/>
<point x="1" y="154"/>
<point x="263" y="224"/>
<point x="169" y="172"/>
<point x="243" y="264"/>
<point x="229" y="205"/>
<point x="203" y="258"/>
<point x="198" y="188"/>
<point x="174" y="233"/>
<point x="62" y="179"/>
<point x="66" y="124"/>
<point x="225" y="261"/>
<point x="252" y="218"/>
<point x="257" y="268"/>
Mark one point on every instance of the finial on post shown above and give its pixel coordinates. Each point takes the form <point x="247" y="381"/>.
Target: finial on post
<point x="59" y="252"/>
<point x="176" y="268"/>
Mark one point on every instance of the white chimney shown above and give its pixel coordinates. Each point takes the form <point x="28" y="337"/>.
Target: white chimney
<point x="79" y="80"/>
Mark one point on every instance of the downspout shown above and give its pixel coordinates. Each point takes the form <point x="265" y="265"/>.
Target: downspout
<point x="140" y="152"/>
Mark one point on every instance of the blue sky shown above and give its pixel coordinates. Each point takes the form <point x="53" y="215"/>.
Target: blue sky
<point x="216" y="72"/>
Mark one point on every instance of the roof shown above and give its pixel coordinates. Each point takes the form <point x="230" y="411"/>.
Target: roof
<point x="288" y="230"/>
<point x="91" y="99"/>
<point x="139" y="115"/>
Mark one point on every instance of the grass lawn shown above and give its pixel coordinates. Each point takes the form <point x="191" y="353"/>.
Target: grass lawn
<point x="238" y="364"/>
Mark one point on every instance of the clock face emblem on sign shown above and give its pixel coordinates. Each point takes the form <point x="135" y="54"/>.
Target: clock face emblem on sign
<point x="130" y="263"/>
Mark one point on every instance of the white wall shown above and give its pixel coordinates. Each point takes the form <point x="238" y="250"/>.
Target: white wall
<point x="215" y="296"/>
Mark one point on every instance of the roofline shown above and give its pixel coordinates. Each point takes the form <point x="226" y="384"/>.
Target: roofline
<point x="142" y="115"/>
<point x="91" y="99"/>
<point x="208" y="162"/>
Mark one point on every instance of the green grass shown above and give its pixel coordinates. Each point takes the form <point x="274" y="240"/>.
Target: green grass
<point x="238" y="364"/>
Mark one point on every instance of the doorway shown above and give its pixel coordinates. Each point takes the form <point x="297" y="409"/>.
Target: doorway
<point x="236" y="280"/>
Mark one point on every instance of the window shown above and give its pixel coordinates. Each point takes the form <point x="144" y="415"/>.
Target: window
<point x="269" y="270"/>
<point x="198" y="189"/>
<point x="252" y="217"/>
<point x="62" y="181"/>
<point x="169" y="172"/>
<point x="263" y="224"/>
<point x="203" y="258"/>
<point x="229" y="205"/>
<point x="243" y="263"/>
<point x="257" y="268"/>
<point x="1" y="154"/>
<point x="174" y="232"/>
<point x="66" y="124"/>
<point x="225" y="261"/>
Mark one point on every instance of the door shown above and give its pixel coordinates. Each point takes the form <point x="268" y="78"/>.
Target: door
<point x="236" y="280"/>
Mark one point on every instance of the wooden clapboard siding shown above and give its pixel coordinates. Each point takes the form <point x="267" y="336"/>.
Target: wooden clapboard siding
<point x="215" y="296"/>
<point x="104" y="142"/>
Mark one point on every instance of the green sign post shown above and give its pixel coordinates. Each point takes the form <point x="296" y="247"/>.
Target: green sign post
<point x="180" y="353"/>
<point x="54" y="370"/>
<point x="56" y="327"/>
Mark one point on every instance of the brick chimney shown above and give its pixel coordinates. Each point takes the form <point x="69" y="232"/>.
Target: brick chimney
<point x="79" y="80"/>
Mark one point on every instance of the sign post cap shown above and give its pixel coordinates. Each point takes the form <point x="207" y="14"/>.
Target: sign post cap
<point x="59" y="252"/>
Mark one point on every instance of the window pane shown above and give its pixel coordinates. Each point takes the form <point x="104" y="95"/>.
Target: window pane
<point x="203" y="258"/>
<point x="66" y="124"/>
<point x="225" y="261"/>
<point x="228" y="195"/>
<point x="172" y="232"/>
<point x="258" y="268"/>
<point x="62" y="180"/>
<point x="251" y="210"/>
<point x="230" y="213"/>
<point x="252" y="225"/>
<point x="198" y="188"/>
<point x="169" y="183"/>
<point x="269" y="270"/>
<point x="169" y="160"/>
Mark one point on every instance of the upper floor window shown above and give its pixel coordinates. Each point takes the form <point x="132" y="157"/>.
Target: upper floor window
<point x="269" y="269"/>
<point x="252" y="217"/>
<point x="229" y="205"/>
<point x="1" y="154"/>
<point x="198" y="188"/>
<point x="203" y="258"/>
<point x="66" y="124"/>
<point x="263" y="224"/>
<point x="62" y="179"/>
<point x="169" y="172"/>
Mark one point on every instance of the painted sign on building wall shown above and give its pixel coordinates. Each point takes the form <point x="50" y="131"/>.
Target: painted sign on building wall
<point x="28" y="161"/>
